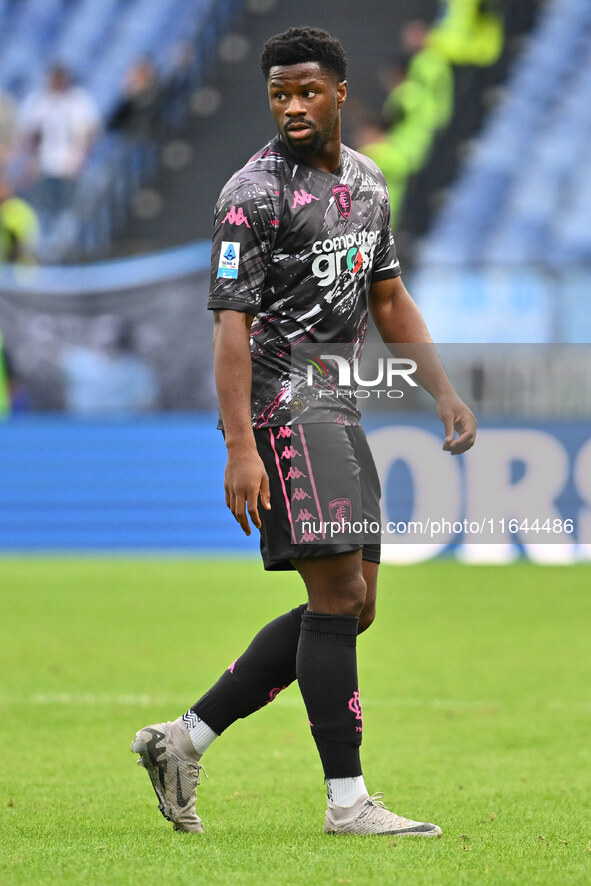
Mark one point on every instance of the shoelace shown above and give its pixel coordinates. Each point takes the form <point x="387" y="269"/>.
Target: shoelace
<point x="197" y="769"/>
<point x="374" y="806"/>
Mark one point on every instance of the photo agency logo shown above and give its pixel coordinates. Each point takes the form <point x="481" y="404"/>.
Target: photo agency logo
<point x="336" y="376"/>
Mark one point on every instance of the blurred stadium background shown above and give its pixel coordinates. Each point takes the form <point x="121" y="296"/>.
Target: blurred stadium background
<point x="479" y="113"/>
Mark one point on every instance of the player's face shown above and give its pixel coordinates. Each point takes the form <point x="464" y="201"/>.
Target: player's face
<point x="305" y="101"/>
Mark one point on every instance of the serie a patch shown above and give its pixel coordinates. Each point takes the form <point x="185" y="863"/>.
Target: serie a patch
<point x="229" y="260"/>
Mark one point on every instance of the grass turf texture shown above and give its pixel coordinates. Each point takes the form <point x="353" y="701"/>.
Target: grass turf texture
<point x="475" y="683"/>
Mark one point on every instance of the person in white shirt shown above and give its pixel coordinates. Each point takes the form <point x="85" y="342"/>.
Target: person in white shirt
<point x="7" y="129"/>
<point x="59" y="123"/>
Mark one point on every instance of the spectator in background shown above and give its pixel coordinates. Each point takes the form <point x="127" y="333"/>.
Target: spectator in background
<point x="13" y="395"/>
<point x="419" y="105"/>
<point x="8" y="123"/>
<point x="6" y="380"/>
<point x="470" y="32"/>
<point x="109" y="378"/>
<point x="419" y="109"/>
<point x="471" y="36"/>
<point x="138" y="113"/>
<point x="59" y="124"/>
<point x="410" y="113"/>
<point x="19" y="227"/>
<point x="372" y="138"/>
<point x="400" y="145"/>
<point x="425" y="67"/>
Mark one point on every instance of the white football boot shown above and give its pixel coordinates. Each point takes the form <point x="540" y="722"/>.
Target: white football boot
<point x="168" y="755"/>
<point x="370" y="816"/>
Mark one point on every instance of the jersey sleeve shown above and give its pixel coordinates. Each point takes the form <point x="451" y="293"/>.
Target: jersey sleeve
<point x="386" y="264"/>
<point x="244" y="232"/>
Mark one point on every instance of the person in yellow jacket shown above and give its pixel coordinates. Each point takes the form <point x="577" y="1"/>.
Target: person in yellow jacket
<point x="413" y="112"/>
<point x="425" y="66"/>
<point x="398" y="151"/>
<point x="5" y="382"/>
<point x="19" y="227"/>
<point x="419" y="104"/>
<point x="470" y="32"/>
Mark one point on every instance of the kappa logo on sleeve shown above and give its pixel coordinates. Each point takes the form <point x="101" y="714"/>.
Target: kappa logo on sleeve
<point x="229" y="260"/>
<point x="236" y="217"/>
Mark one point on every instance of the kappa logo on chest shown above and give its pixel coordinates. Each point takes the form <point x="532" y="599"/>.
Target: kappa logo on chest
<point x="302" y="198"/>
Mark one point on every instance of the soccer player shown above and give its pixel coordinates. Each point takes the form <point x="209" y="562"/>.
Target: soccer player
<point x="280" y="276"/>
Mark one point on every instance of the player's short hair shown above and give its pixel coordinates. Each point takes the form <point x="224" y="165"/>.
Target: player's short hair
<point x="298" y="45"/>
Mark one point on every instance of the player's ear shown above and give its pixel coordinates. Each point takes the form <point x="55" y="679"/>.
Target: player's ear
<point x="341" y="93"/>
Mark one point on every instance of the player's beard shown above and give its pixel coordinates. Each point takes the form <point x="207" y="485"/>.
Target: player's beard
<point x="304" y="152"/>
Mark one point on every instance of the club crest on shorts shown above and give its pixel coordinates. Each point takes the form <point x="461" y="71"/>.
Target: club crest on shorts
<point x="340" y="510"/>
<point x="342" y="198"/>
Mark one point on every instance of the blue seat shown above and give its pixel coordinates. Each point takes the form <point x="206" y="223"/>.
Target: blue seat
<point x="111" y="34"/>
<point x="524" y="192"/>
<point x="83" y="32"/>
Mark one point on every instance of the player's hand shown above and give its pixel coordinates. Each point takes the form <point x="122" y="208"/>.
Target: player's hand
<point x="244" y="480"/>
<point x="456" y="416"/>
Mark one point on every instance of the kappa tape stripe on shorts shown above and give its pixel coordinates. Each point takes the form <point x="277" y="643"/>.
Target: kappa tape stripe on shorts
<point x="321" y="476"/>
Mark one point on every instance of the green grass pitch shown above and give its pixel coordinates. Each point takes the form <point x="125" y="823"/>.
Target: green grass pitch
<point x="476" y="690"/>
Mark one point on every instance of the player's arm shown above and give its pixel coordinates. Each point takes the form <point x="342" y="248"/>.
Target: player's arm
<point x="400" y="322"/>
<point x="245" y="476"/>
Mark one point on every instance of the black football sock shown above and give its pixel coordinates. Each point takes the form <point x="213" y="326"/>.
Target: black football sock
<point x="254" y="679"/>
<point x="326" y="668"/>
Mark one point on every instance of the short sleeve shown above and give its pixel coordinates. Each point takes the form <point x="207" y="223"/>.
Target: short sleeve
<point x="29" y="115"/>
<point x="386" y="264"/>
<point x="87" y="110"/>
<point x="244" y="233"/>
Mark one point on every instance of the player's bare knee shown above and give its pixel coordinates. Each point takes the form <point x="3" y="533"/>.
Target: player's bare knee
<point x="352" y="595"/>
<point x="344" y="596"/>
<point x="367" y="618"/>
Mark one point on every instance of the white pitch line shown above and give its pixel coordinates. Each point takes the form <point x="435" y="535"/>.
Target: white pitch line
<point x="131" y="699"/>
<point x="90" y="699"/>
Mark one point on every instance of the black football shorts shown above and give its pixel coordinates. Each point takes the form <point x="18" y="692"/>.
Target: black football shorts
<point x="325" y="493"/>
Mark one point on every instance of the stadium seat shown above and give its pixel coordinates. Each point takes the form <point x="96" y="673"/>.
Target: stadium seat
<point x="114" y="34"/>
<point x="521" y="193"/>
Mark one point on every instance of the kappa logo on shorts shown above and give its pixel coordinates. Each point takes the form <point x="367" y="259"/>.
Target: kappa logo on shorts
<point x="286" y="431"/>
<point x="340" y="510"/>
<point x="295" y="474"/>
<point x="290" y="452"/>
<point x="300" y="494"/>
<point x="305" y="514"/>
